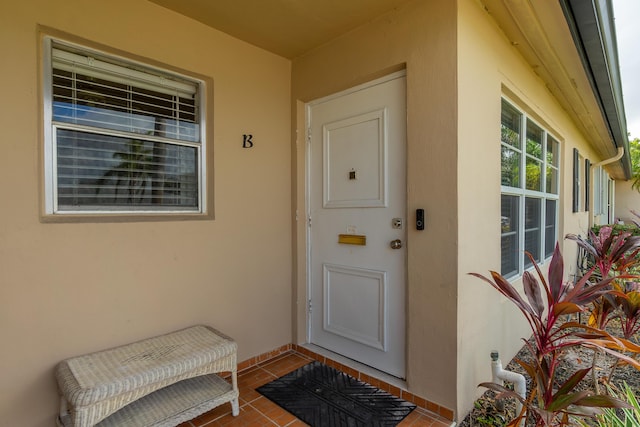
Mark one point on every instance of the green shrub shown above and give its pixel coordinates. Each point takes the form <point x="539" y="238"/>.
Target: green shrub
<point x="618" y="229"/>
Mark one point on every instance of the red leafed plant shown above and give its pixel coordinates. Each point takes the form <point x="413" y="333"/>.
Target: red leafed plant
<point x="615" y="255"/>
<point x="545" y="306"/>
<point x="611" y="253"/>
<point x="630" y="307"/>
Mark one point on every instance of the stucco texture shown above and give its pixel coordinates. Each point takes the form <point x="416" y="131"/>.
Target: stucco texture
<point x="71" y="288"/>
<point x="627" y="199"/>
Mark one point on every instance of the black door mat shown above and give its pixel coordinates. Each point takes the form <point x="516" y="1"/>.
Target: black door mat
<point x="322" y="396"/>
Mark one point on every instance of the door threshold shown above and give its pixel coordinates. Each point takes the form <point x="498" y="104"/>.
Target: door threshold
<point x="360" y="367"/>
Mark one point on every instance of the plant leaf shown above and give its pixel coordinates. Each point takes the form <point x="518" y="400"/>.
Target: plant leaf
<point x="566" y="308"/>
<point x="556" y="274"/>
<point x="583" y="243"/>
<point x="532" y="291"/>
<point x="571" y="382"/>
<point x="506" y="289"/>
<point x="603" y="401"/>
<point x="561" y="402"/>
<point x="531" y="370"/>
<point x="505" y="392"/>
<point x="583" y="295"/>
<point x="607" y="346"/>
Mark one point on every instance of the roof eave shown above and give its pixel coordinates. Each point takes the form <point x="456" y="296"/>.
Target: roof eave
<point x="591" y="24"/>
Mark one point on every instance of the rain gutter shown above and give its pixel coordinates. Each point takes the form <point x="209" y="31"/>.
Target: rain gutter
<point x="591" y="23"/>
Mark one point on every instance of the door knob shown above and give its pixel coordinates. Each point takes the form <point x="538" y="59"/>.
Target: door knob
<point x="396" y="244"/>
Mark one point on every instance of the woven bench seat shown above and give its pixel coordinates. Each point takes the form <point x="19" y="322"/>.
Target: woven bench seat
<point x="160" y="381"/>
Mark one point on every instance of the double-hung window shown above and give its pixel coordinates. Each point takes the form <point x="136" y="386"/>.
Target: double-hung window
<point x="120" y="136"/>
<point x="530" y="159"/>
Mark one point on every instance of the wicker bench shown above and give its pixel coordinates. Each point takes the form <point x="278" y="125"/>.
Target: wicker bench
<point x="161" y="381"/>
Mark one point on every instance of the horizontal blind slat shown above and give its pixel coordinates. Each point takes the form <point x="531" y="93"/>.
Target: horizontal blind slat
<point x="97" y="170"/>
<point x="98" y="68"/>
<point x="123" y="102"/>
<point x="97" y="93"/>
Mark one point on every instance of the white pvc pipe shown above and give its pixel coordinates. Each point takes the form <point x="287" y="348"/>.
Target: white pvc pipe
<point x="499" y="376"/>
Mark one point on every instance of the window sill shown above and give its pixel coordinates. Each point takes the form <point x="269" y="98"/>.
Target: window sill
<point x="119" y="217"/>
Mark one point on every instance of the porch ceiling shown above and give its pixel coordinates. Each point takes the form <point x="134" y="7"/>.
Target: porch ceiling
<point x="288" y="28"/>
<point x="538" y="30"/>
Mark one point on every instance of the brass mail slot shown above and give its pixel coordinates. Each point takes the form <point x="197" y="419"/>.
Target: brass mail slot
<point x="352" y="239"/>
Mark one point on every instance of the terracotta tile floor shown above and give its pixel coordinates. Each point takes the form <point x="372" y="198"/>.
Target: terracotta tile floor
<point x="257" y="410"/>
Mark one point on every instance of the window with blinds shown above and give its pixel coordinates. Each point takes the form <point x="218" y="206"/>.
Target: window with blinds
<point x="122" y="137"/>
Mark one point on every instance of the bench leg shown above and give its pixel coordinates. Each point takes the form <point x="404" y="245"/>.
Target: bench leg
<point x="64" y="411"/>
<point x="235" y="407"/>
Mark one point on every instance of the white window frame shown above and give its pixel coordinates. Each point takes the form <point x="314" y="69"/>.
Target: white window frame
<point x="602" y="191"/>
<point x="523" y="193"/>
<point x="51" y="208"/>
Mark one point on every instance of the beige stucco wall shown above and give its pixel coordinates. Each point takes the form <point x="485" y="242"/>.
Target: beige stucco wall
<point x="67" y="289"/>
<point x="627" y="199"/>
<point x="420" y="36"/>
<point x="488" y="67"/>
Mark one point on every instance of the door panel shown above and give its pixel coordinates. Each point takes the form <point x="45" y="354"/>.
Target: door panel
<point x="355" y="304"/>
<point x="354" y="149"/>
<point x="357" y="204"/>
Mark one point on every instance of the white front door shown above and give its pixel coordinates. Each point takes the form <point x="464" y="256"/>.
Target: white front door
<point x="357" y="217"/>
